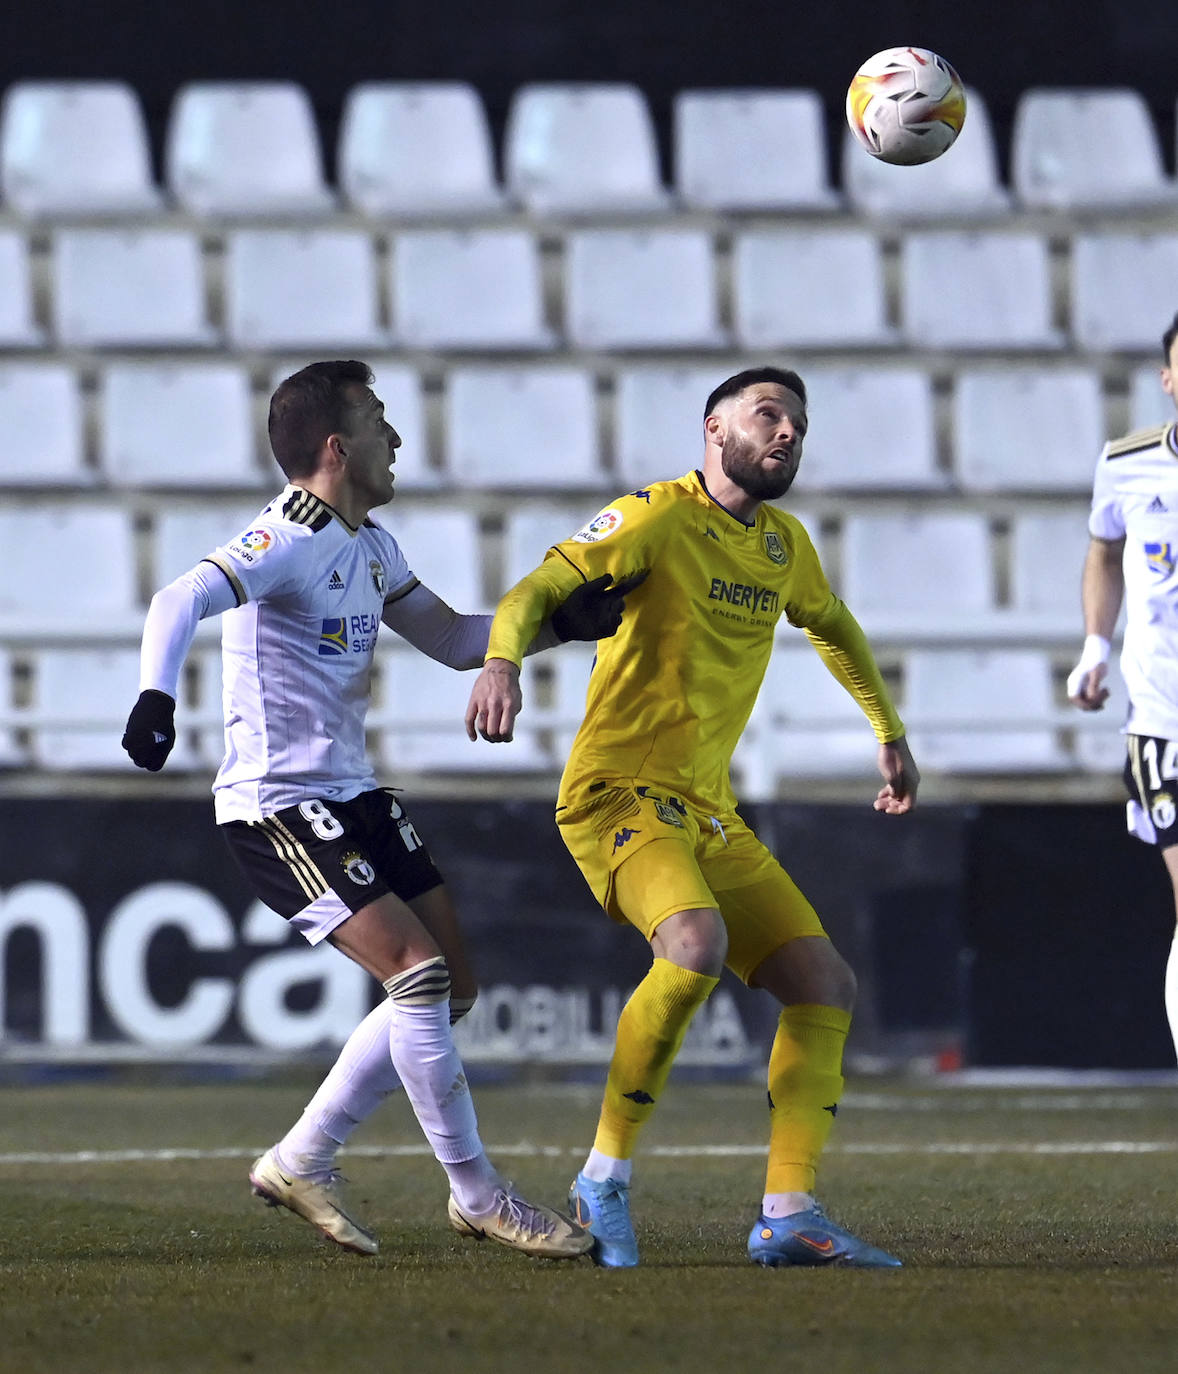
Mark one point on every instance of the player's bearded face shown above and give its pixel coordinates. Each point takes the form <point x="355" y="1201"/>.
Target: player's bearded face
<point x="749" y="465"/>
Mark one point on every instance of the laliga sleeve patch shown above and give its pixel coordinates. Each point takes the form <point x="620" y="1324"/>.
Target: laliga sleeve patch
<point x="600" y="527"/>
<point x="251" y="545"/>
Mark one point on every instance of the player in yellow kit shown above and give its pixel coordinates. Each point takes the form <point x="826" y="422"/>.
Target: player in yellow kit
<point x="647" y="809"/>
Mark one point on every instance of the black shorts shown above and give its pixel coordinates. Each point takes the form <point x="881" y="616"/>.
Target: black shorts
<point x="1151" y="777"/>
<point x="318" y="862"/>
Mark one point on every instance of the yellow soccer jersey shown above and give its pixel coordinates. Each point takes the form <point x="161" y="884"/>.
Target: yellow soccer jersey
<point x="671" y="692"/>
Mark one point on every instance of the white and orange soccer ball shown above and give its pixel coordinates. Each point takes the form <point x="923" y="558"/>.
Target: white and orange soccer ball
<point x="906" y="105"/>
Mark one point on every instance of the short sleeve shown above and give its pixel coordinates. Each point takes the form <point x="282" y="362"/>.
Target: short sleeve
<point x="1107" y="517"/>
<point x="265" y="561"/>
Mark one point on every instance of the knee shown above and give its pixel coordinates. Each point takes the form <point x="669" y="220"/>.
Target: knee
<point x="695" y="940"/>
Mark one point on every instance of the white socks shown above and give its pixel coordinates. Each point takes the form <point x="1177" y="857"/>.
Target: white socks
<point x="600" y="1168"/>
<point x="785" y="1204"/>
<point x="1172" y="992"/>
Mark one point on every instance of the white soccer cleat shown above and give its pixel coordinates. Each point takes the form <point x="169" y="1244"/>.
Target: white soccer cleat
<point x="524" y="1226"/>
<point x="319" y="1202"/>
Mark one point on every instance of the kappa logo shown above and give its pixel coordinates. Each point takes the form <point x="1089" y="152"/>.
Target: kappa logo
<point x="622" y="836"/>
<point x="642" y="494"/>
<point x="641" y="1096"/>
<point x="710" y="533"/>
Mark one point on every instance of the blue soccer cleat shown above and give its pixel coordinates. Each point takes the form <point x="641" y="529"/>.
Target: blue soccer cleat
<point x="810" y="1237"/>
<point x="603" y="1209"/>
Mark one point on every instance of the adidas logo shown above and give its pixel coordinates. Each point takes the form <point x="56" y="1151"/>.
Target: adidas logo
<point x="1155" y="506"/>
<point x="335" y="582"/>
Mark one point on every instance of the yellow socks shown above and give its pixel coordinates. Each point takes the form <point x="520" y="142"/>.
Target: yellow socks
<point x="805" y="1083"/>
<point x="650" y="1030"/>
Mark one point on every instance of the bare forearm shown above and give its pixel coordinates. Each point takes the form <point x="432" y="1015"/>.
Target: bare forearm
<point x="1102" y="587"/>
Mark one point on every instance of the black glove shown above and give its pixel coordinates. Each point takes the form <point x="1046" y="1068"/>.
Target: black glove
<point x="151" y="730"/>
<point x="594" y="610"/>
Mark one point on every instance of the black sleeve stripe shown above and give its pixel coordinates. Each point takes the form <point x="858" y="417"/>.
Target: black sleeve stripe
<point x="402" y="592"/>
<point x="234" y="585"/>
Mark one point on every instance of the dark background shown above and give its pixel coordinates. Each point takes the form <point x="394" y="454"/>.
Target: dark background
<point x="1000" y="49"/>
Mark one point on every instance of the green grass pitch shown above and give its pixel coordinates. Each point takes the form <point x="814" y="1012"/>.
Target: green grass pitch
<point x="1038" y="1227"/>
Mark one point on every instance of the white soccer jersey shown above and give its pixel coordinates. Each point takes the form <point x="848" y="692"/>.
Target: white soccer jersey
<point x="297" y="652"/>
<point x="1135" y="497"/>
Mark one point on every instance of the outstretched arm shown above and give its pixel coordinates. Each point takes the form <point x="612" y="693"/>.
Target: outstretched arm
<point x="901" y="779"/>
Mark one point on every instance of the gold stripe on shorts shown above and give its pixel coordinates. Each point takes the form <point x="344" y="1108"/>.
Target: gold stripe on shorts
<point x="1135" y="766"/>
<point x="292" y="853"/>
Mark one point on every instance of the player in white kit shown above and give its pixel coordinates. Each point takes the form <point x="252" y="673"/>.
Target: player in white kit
<point x="1133" y="556"/>
<point x="303" y="593"/>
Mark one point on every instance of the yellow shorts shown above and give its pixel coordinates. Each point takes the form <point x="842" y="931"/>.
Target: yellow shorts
<point x="647" y="855"/>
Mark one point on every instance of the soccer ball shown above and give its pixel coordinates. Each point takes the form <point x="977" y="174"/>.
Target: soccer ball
<point x="906" y="105"/>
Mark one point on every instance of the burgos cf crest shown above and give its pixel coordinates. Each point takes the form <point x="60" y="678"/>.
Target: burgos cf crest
<point x="357" y="867"/>
<point x="377" y="571"/>
<point x="774" y="547"/>
<point x="1160" y="558"/>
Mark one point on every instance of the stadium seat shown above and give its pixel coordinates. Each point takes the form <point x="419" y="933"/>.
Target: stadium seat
<point x="804" y="724"/>
<point x="659" y="420"/>
<point x="972" y="290"/>
<point x="177" y="425"/>
<point x="531" y="529"/>
<point x="245" y="148"/>
<point x="75" y="148"/>
<point x="410" y="148"/>
<point x="962" y="184"/>
<point x="809" y="288"/>
<point x="522" y="427"/>
<point x="11" y="753"/>
<point x="1027" y="428"/>
<point x="727" y="148"/>
<point x="70" y="570"/>
<point x="641" y="289"/>
<point x="1122" y="289"/>
<point x="17" y="326"/>
<point x="129" y="288"/>
<point x="292" y="288"/>
<point x="82" y="730"/>
<point x="467" y="289"/>
<point x="982" y="711"/>
<point x="582" y="148"/>
<point x="1080" y="148"/>
<point x="418" y="716"/>
<point x="1149" y="405"/>
<point x="443" y="548"/>
<point x="41" y="426"/>
<point x="1047" y="551"/>
<point x="1097" y="743"/>
<point x="569" y="668"/>
<point x="870" y="427"/>
<point x="184" y="533"/>
<point x="918" y="574"/>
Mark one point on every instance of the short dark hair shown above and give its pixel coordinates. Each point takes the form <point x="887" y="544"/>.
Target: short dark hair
<point x="750" y="377"/>
<point x="309" y="406"/>
<point x="1168" y="340"/>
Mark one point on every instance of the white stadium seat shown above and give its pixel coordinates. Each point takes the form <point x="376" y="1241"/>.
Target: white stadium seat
<point x="924" y="574"/>
<point x="419" y="712"/>
<point x="41" y="426"/>
<point x="245" y="148"/>
<point x="75" y="148"/>
<point x="530" y="531"/>
<point x="870" y="427"/>
<point x="804" y="724"/>
<point x="728" y="147"/>
<point x="1117" y="282"/>
<point x="1047" y="551"/>
<point x="522" y="427"/>
<point x="467" y="289"/>
<point x="411" y="148"/>
<point x="981" y="711"/>
<point x="18" y="328"/>
<point x="973" y="289"/>
<point x="443" y="547"/>
<point x="641" y="289"/>
<point x="129" y="288"/>
<point x="961" y="184"/>
<point x="178" y="425"/>
<point x="582" y="148"/>
<point x="11" y="753"/>
<point x="70" y="569"/>
<point x="1051" y="431"/>
<point x="1087" y="148"/>
<point x="809" y="288"/>
<point x="298" y="288"/>
<point x="659" y="420"/>
<point x="1149" y="405"/>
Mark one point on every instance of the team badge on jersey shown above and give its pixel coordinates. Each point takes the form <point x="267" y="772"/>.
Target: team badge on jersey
<point x="333" y="638"/>
<point x="600" y="527"/>
<point x="357" y="867"/>
<point x="774" y="547"/>
<point x="1160" y="558"/>
<point x="377" y="571"/>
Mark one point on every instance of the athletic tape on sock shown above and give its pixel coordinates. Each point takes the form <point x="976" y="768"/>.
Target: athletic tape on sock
<point x="423" y="985"/>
